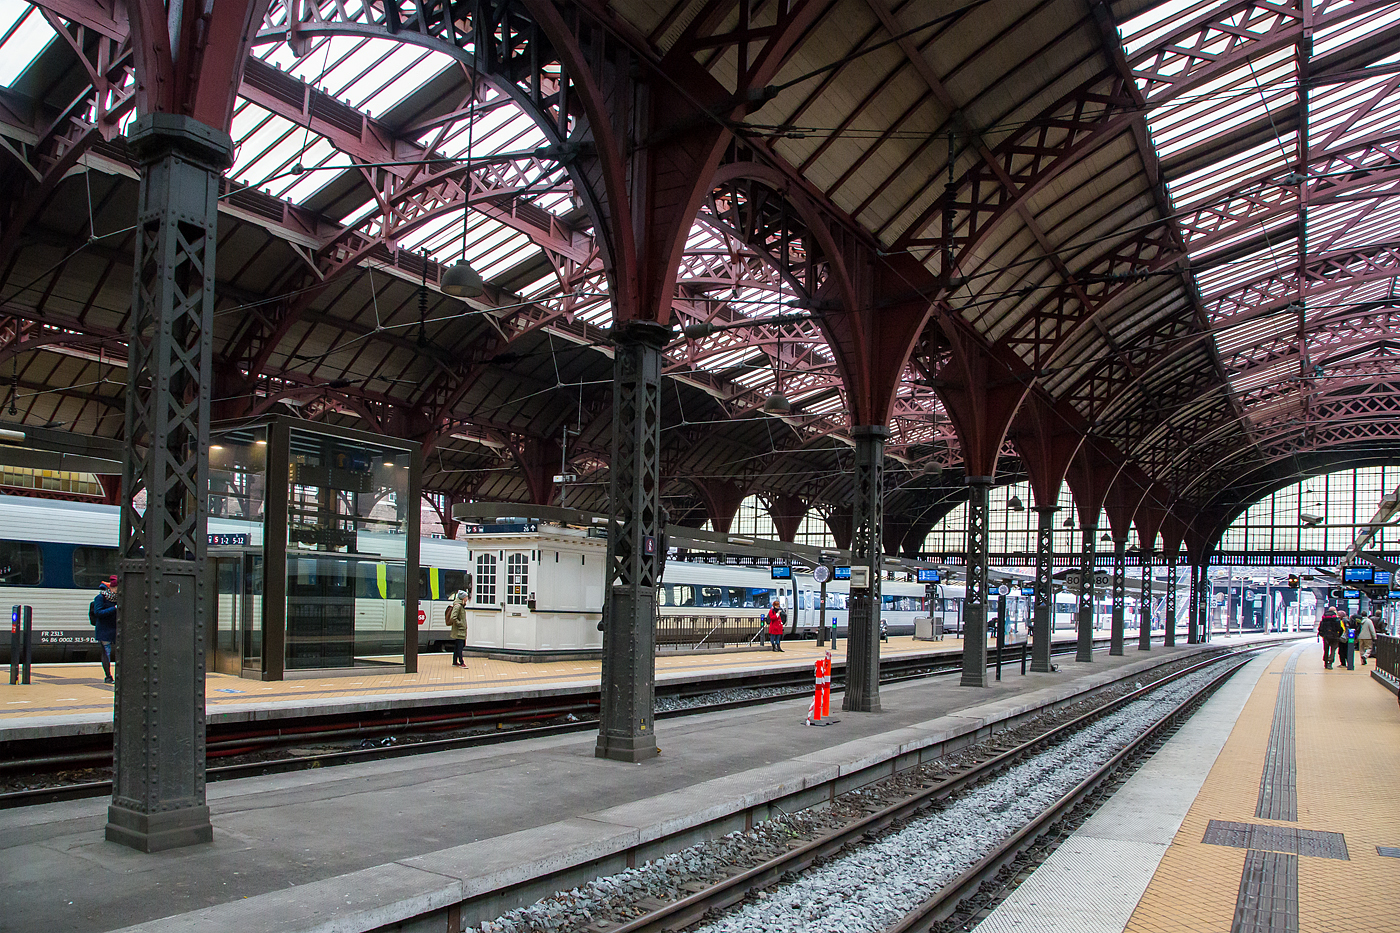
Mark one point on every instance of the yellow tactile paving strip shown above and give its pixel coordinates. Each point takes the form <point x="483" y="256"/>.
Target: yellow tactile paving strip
<point x="68" y="689"/>
<point x="1347" y="741"/>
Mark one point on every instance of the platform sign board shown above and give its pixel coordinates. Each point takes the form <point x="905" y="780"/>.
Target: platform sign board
<point x="841" y="573"/>
<point x="780" y="572"/>
<point x="926" y="575"/>
<point x="1382" y="578"/>
<point x="1351" y="594"/>
<point x="1358" y="574"/>
<point x="1393" y="594"/>
<point x="228" y="540"/>
<point x="1027" y="590"/>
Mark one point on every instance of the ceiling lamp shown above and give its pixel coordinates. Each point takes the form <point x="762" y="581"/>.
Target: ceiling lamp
<point x="1014" y="504"/>
<point x="777" y="403"/>
<point x="1105" y="537"/>
<point x="462" y="281"/>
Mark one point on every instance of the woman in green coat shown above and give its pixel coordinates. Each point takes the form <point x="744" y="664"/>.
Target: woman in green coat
<point x="457" y="622"/>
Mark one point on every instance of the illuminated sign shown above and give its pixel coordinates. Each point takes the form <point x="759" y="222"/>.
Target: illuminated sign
<point x="926" y="575"/>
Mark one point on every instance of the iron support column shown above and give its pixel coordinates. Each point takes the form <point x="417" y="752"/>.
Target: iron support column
<point x="1203" y="601"/>
<point x="1084" y="651"/>
<point x="1120" y="589"/>
<point x="863" y="638"/>
<point x="1044" y="592"/>
<point x="1192" y="608"/>
<point x="158" y="797"/>
<point x="974" y="672"/>
<point x="625" y="719"/>
<point x="1169" y="620"/>
<point x="1145" y="609"/>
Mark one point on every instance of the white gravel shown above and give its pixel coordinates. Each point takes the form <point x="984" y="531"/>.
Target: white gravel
<point x="727" y="695"/>
<point x="875" y="885"/>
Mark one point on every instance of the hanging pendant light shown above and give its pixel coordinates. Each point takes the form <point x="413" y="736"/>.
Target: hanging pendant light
<point x="777" y="403"/>
<point x="461" y="280"/>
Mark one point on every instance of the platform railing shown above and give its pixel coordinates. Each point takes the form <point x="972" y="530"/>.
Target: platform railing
<point x="705" y="631"/>
<point x="1388" y="657"/>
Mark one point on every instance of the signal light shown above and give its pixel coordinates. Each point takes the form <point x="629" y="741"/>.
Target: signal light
<point x="1293" y="580"/>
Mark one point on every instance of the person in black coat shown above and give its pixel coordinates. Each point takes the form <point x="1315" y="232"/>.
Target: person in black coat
<point x="1331" y="631"/>
<point x="104" y="619"/>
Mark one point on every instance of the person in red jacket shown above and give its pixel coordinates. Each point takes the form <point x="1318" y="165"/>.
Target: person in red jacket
<point x="775" y="626"/>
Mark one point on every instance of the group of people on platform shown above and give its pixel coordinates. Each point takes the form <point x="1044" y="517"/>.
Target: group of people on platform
<point x="1339" y="634"/>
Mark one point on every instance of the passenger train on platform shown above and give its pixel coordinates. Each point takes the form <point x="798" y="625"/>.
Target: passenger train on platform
<point x="533" y="592"/>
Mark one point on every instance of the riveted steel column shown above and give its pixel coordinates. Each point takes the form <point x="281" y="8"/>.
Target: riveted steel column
<point x="974" y="670"/>
<point x="1145" y="608"/>
<point x="1169" y="622"/>
<point x="625" y="720"/>
<point x="1193" y="608"/>
<point x="863" y="642"/>
<point x="1120" y="589"/>
<point x="1044" y="588"/>
<point x="1084" y="651"/>
<point x="158" y="737"/>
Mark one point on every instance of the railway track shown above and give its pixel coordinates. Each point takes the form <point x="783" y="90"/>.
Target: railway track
<point x="709" y="903"/>
<point x="392" y="736"/>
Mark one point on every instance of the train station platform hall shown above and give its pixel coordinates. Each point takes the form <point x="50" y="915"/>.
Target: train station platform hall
<point x="364" y="846"/>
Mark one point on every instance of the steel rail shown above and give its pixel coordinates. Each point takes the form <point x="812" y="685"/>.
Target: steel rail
<point x="689" y="910"/>
<point x="284" y="737"/>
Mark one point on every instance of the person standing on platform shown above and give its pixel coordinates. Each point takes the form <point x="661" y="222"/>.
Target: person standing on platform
<point x="103" y="615"/>
<point x="1365" y="638"/>
<point x="775" y="626"/>
<point x="457" y="622"/>
<point x="1330" y="631"/>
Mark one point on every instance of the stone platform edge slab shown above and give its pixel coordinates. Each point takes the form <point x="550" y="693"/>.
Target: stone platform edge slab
<point x="477" y="881"/>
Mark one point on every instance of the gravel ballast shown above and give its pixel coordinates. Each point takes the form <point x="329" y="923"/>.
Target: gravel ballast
<point x="870" y="887"/>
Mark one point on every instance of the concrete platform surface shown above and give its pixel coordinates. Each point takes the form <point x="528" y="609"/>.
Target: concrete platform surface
<point x="354" y="847"/>
<point x="72" y="698"/>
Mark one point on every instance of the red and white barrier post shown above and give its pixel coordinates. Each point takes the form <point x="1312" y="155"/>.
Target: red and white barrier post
<point x="820" y="708"/>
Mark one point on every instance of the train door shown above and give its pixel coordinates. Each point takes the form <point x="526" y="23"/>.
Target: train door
<point x="806" y="617"/>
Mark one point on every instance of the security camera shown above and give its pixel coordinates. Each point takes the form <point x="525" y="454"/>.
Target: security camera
<point x="1309" y="519"/>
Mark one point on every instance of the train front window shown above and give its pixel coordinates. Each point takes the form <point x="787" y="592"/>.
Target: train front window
<point x="93" y="565"/>
<point x="21" y="564"/>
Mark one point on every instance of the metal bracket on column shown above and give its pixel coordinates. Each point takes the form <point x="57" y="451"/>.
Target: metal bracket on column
<point x="1044" y="588"/>
<point x="626" y="716"/>
<point x="158" y="797"/>
<point x="1120" y="590"/>
<point x="863" y="643"/>
<point x="1084" y="651"/>
<point x="974" y="671"/>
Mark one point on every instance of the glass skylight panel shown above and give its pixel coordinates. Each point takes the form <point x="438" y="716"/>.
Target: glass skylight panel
<point x="24" y="34"/>
<point x="1255" y="333"/>
<point x="1204" y="184"/>
<point x="1284" y="369"/>
<point x="1354" y="28"/>
<point x="267" y="146"/>
<point x="1162" y="19"/>
<point x="371" y="75"/>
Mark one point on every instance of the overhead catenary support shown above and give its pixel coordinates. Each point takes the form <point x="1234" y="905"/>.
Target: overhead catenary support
<point x="1115" y="637"/>
<point x="863" y="642"/>
<point x="1084" y="650"/>
<point x="974" y="670"/>
<point x="158" y="797"/>
<point x="1044" y="593"/>
<point x="1145" y="609"/>
<point x="635" y="548"/>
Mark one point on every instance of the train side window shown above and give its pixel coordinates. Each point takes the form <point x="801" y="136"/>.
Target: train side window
<point x="366" y="580"/>
<point x="92" y="565"/>
<point x="517" y="579"/>
<point x="486" y="579"/>
<point x="21" y="563"/>
<point x="424" y="590"/>
<point x="450" y="581"/>
<point x="685" y="596"/>
<point x="396" y="579"/>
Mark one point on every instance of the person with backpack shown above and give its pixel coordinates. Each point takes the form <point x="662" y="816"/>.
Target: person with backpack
<point x="102" y="613"/>
<point x="1330" y="631"/>
<point x="776" y="623"/>
<point x="1365" y="638"/>
<point x="457" y="622"/>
